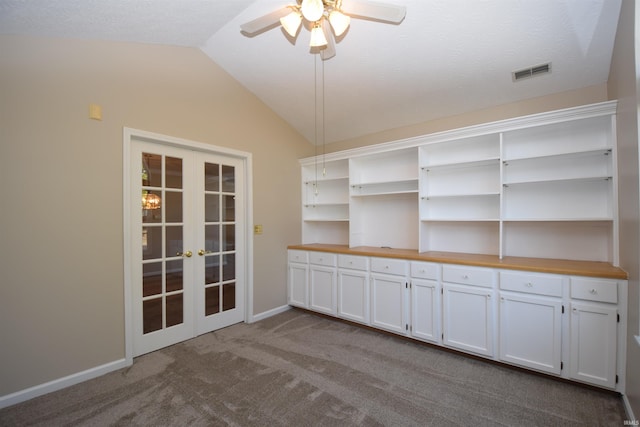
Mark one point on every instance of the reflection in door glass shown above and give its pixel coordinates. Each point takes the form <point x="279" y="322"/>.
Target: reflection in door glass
<point x="173" y="172"/>
<point x="228" y="179"/>
<point x="162" y="274"/>
<point x="151" y="315"/>
<point x="211" y="177"/>
<point x="229" y="237"/>
<point x="174" y="241"/>
<point x="173" y="204"/>
<point x="220" y="238"/>
<point x="229" y="208"/>
<point x="151" y="279"/>
<point x="175" y="312"/>
<point x="212" y="300"/>
<point x="175" y="275"/>
<point x="228" y="296"/>
<point x="151" y="242"/>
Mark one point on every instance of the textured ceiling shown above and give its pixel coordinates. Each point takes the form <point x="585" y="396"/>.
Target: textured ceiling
<point x="447" y="57"/>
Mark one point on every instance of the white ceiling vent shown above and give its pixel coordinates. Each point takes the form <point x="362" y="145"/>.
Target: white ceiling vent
<point x="531" y="72"/>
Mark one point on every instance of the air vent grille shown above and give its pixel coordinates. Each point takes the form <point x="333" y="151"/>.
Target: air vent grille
<point x="531" y="72"/>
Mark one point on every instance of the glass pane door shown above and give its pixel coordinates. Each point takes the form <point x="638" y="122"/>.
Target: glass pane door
<point x="161" y="247"/>
<point x="219" y="278"/>
<point x="162" y="242"/>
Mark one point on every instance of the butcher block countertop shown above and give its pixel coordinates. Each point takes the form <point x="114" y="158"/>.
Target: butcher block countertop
<point x="541" y="265"/>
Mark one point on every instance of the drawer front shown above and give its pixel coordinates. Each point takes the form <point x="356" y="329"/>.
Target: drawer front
<point x="424" y="270"/>
<point x="322" y="258"/>
<point x="353" y="262"/>
<point x="594" y="289"/>
<point x="396" y="267"/>
<point x="531" y="283"/>
<point x="468" y="275"/>
<point x="298" y="256"/>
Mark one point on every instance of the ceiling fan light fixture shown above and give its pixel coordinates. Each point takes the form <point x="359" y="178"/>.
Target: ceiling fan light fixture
<point x="291" y="23"/>
<point x="339" y="21"/>
<point x="318" y="38"/>
<point x="312" y="10"/>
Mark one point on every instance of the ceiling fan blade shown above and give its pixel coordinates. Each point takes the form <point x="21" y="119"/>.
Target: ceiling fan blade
<point x="330" y="51"/>
<point x="265" y="22"/>
<point x="373" y="10"/>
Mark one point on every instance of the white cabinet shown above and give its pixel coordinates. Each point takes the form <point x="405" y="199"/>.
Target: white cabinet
<point x="389" y="286"/>
<point x="322" y="282"/>
<point x="298" y="279"/>
<point x="353" y="288"/>
<point x="594" y="331"/>
<point x="558" y="324"/>
<point x="531" y="320"/>
<point x="468" y="309"/>
<point x="425" y="302"/>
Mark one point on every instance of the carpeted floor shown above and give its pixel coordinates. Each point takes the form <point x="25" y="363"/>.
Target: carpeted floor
<point x="298" y="369"/>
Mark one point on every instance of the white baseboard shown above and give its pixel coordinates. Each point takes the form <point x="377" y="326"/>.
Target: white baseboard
<point x="269" y="313"/>
<point x="39" y="390"/>
<point x="627" y="408"/>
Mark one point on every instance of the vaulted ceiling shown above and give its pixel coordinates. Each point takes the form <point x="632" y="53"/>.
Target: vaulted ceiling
<point x="447" y="57"/>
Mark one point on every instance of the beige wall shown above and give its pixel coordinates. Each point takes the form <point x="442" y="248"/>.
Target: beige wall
<point x="622" y="86"/>
<point x="588" y="95"/>
<point x="61" y="248"/>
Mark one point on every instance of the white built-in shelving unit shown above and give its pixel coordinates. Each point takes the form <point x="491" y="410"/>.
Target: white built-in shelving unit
<point x="541" y="186"/>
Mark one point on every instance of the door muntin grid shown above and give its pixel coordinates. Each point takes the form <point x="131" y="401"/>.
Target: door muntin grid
<point x="219" y="238"/>
<point x="162" y="242"/>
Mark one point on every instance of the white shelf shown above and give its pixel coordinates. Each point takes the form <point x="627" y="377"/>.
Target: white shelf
<point x="541" y="186"/>
<point x="507" y="184"/>
<point x="453" y="196"/>
<point x="461" y="165"/>
<point x="383" y="188"/>
<point x="600" y="151"/>
<point x="450" y="219"/>
<point x="566" y="219"/>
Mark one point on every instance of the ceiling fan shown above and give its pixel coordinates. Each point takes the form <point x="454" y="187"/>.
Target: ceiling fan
<point x="327" y="19"/>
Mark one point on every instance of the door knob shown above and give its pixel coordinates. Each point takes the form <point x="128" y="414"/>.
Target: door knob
<point x="202" y="252"/>
<point x="185" y="254"/>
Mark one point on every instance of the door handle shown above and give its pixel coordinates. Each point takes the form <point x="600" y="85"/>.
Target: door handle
<point x="185" y="254"/>
<point x="202" y="252"/>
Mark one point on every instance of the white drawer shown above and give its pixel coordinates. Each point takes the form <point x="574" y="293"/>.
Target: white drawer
<point x="397" y="267"/>
<point x="322" y="258"/>
<point x="468" y="275"/>
<point x="353" y="262"/>
<point x="298" y="256"/>
<point x="424" y="270"/>
<point x="594" y="289"/>
<point x="540" y="284"/>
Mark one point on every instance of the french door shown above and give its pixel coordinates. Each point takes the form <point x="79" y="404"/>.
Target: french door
<point x="187" y="250"/>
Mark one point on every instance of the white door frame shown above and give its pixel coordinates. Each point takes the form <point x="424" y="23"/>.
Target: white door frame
<point x="128" y="135"/>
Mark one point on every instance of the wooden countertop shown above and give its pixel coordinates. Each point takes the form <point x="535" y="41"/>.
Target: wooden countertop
<point x="541" y="265"/>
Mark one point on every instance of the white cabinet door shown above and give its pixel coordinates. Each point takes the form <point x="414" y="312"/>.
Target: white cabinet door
<point x="298" y="284"/>
<point x="531" y="331"/>
<point x="425" y="310"/>
<point x="593" y="343"/>
<point x="322" y="289"/>
<point x="353" y="295"/>
<point x="388" y="302"/>
<point x="468" y="318"/>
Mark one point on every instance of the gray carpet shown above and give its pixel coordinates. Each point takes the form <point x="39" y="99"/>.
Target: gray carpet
<point x="298" y="369"/>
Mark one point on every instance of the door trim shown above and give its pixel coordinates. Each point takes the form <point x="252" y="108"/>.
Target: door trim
<point x="246" y="157"/>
